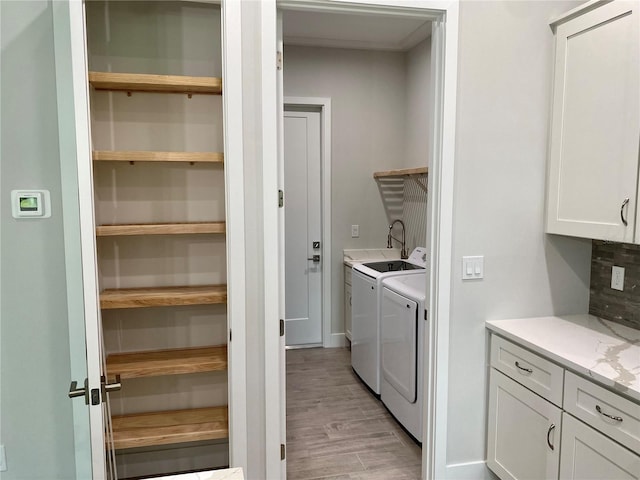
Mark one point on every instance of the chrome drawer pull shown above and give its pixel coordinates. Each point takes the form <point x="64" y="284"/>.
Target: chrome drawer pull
<point x="617" y="419"/>
<point x="553" y="425"/>
<point x="528" y="370"/>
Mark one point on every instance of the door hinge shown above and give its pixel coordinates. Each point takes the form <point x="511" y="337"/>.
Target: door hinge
<point x="283" y="451"/>
<point x="279" y="60"/>
<point x="229" y="335"/>
<point x="425" y="313"/>
<point x="281" y="327"/>
<point x="280" y="198"/>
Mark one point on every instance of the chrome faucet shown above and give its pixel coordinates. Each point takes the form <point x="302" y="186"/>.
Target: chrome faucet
<point x="403" y="252"/>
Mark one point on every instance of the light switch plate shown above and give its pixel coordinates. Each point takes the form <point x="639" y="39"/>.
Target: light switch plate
<point x="355" y="231"/>
<point x="473" y="267"/>
<point x="617" y="278"/>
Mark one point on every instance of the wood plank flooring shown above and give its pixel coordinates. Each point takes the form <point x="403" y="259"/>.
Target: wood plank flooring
<point x="336" y="429"/>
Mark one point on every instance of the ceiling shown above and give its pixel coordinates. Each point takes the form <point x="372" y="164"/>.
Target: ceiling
<point x="348" y="30"/>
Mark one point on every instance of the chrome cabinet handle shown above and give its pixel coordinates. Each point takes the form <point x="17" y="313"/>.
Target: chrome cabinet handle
<point x="612" y="417"/>
<point x="528" y="370"/>
<point x="551" y="428"/>
<point x="624" y="204"/>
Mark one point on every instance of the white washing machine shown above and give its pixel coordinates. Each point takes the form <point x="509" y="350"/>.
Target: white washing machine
<point x="366" y="286"/>
<point x="402" y="349"/>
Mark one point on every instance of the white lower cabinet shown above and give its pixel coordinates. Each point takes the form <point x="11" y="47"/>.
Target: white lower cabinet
<point x="589" y="455"/>
<point x="537" y="435"/>
<point x="523" y="431"/>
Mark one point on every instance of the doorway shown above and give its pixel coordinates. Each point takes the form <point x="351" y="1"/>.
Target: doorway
<point x="370" y="114"/>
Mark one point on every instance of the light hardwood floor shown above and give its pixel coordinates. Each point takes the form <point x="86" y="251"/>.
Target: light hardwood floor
<point x="336" y="429"/>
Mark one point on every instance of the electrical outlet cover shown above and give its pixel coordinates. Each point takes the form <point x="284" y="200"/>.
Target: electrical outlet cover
<point x="617" y="278"/>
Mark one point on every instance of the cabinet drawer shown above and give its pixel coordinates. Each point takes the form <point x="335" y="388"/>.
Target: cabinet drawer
<point x="583" y="399"/>
<point x="347" y="275"/>
<point x="532" y="371"/>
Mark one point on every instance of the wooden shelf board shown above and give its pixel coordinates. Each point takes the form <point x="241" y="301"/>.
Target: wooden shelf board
<point x="401" y="172"/>
<point x="167" y="362"/>
<point x="160" y="229"/>
<point x="148" y="156"/>
<point x="163" y="296"/>
<point x="171" y="427"/>
<point x="139" y="82"/>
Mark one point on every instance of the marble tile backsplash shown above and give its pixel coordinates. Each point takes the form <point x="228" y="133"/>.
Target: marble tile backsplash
<point x="621" y="307"/>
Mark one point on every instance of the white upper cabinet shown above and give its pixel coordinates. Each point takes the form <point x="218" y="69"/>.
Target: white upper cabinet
<point x="595" y="130"/>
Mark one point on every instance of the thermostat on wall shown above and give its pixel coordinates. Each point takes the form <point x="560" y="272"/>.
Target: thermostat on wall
<point x="31" y="203"/>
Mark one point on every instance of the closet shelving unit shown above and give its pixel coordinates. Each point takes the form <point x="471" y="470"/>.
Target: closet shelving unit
<point x="154" y="73"/>
<point x="177" y="426"/>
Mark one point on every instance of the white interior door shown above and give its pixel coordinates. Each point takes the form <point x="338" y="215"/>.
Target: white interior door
<point x="80" y="249"/>
<point x="303" y="257"/>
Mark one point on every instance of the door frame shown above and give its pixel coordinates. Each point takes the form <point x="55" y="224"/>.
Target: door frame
<point x="232" y="114"/>
<point x="444" y="55"/>
<point x="322" y="104"/>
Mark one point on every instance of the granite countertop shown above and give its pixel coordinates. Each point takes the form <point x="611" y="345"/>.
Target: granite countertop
<point x="353" y="256"/>
<point x="605" y="351"/>
<point x="224" y="474"/>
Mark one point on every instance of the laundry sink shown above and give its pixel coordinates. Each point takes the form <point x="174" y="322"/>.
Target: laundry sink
<point x="392" y="266"/>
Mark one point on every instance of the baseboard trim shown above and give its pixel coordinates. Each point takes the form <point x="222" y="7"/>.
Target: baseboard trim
<point x="336" y="340"/>
<point x="469" y="471"/>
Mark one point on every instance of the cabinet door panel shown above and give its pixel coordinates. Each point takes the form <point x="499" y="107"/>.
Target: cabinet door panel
<point x="589" y="455"/>
<point x="522" y="444"/>
<point x="595" y="127"/>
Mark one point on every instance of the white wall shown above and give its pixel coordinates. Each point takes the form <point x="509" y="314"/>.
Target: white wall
<point x="367" y="91"/>
<point x="37" y="422"/>
<point x="505" y="58"/>
<point x="417" y="127"/>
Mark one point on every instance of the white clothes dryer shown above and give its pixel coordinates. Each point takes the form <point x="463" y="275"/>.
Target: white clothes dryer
<point x="366" y="286"/>
<point x="402" y="349"/>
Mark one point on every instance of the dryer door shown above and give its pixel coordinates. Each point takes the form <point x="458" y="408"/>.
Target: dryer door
<point x="399" y="322"/>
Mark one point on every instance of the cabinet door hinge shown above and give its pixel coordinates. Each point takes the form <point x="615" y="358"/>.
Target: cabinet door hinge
<point x="279" y="60"/>
<point x="281" y="327"/>
<point x="280" y="198"/>
<point x="283" y="453"/>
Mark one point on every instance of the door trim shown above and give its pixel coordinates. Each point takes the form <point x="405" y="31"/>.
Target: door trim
<point x="81" y="203"/>
<point x="231" y="18"/>
<point x="444" y="57"/>
<point x="323" y="104"/>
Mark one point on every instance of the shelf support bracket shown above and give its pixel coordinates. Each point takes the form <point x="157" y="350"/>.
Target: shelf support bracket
<point x="417" y="179"/>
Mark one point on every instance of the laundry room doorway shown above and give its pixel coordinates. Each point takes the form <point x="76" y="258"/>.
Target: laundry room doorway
<point x="370" y="111"/>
